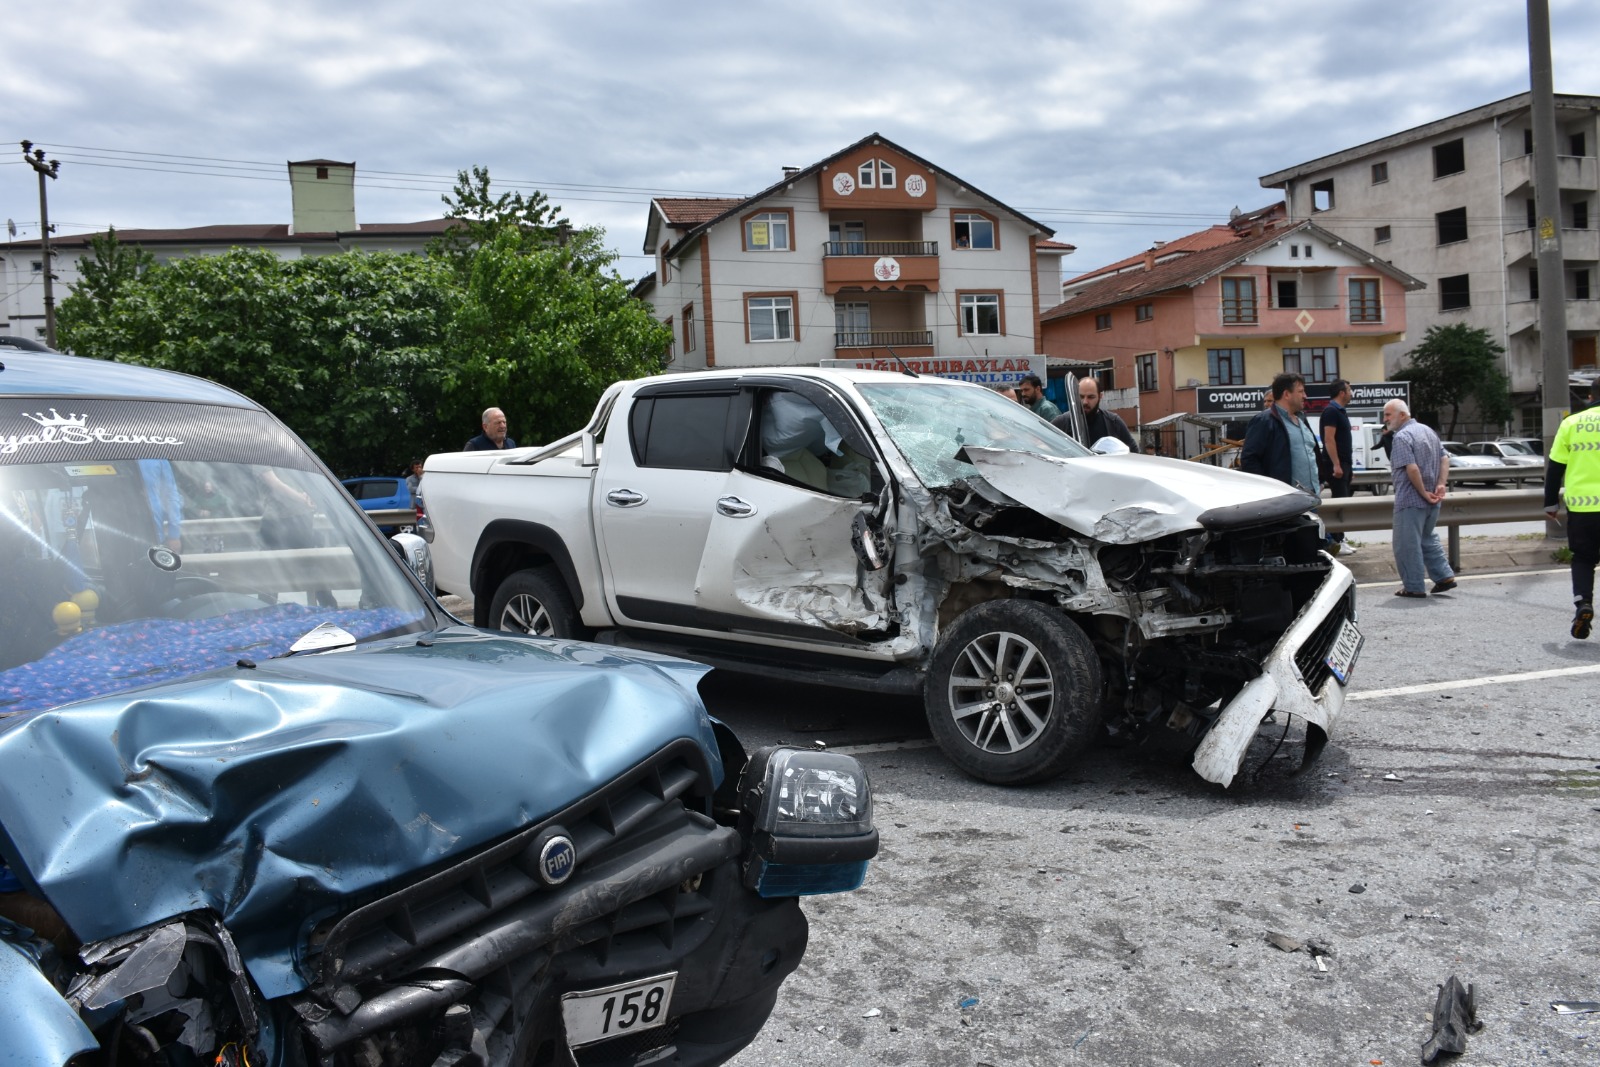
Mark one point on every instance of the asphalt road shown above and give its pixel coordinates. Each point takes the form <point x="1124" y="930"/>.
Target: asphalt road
<point x="1120" y="914"/>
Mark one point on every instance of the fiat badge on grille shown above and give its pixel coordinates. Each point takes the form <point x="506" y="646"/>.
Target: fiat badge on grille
<point x="557" y="860"/>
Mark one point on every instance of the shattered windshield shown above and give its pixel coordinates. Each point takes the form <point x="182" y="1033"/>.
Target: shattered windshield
<point x="144" y="542"/>
<point x="930" y="421"/>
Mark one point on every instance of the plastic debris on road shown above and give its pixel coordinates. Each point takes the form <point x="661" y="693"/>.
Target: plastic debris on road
<point x="968" y="1003"/>
<point x="1574" y="1007"/>
<point x="1455" y="1015"/>
<point x="872" y="1013"/>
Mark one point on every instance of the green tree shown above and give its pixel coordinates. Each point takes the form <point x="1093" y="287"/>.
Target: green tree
<point x="108" y="269"/>
<point x="542" y="340"/>
<point x="481" y="215"/>
<point x="1454" y="366"/>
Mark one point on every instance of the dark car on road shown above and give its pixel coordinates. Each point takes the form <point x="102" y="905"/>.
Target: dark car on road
<point x="263" y="801"/>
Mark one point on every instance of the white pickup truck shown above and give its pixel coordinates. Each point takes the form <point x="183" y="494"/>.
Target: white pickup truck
<point x="911" y="534"/>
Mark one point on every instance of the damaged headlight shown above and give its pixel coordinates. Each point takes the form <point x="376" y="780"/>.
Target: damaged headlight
<point x="808" y="821"/>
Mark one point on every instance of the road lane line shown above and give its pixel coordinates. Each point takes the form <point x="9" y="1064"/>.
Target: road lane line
<point x="1469" y="683"/>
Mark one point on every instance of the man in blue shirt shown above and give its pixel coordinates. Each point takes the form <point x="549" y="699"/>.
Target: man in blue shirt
<point x="1421" y="467"/>
<point x="493" y="437"/>
<point x="1340" y="448"/>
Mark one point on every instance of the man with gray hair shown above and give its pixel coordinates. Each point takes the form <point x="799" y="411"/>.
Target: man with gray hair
<point x="493" y="437"/>
<point x="1421" y="467"/>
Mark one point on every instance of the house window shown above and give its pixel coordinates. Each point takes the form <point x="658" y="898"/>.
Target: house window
<point x="852" y="324"/>
<point x="322" y="173"/>
<point x="688" y="328"/>
<point x="672" y="345"/>
<point x="1294" y="251"/>
<point x="1577" y="145"/>
<point x="767" y="231"/>
<point x="1381" y="234"/>
<point x="1322" y="195"/>
<point x="1144" y="312"/>
<point x="1366" y="300"/>
<point x="1102" y="321"/>
<point x="885" y="175"/>
<point x="973" y="230"/>
<point x="1580" y="284"/>
<point x="1309" y="250"/>
<point x="1533" y="213"/>
<point x="1225" y="366"/>
<point x="847" y="238"/>
<point x="1380" y="173"/>
<point x="1449" y="158"/>
<point x="1527" y="142"/>
<point x="1238" y="300"/>
<point x="1313" y="364"/>
<point x="1533" y="283"/>
<point x="770" y="318"/>
<point x="38" y="266"/>
<point x="1454" y="293"/>
<point x="980" y="314"/>
<point x="39" y="332"/>
<point x="1580" y="215"/>
<point x="1452" y="225"/>
<point x="867" y="175"/>
<point x="1288" y="293"/>
<point x="1145" y="367"/>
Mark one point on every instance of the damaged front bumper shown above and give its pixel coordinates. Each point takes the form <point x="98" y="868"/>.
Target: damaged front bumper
<point x="1295" y="679"/>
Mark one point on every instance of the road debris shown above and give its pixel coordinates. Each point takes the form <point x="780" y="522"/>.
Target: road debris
<point x="1574" y="1007"/>
<point x="968" y="1003"/>
<point x="1284" y="942"/>
<point x="1392" y="777"/>
<point x="1359" y="887"/>
<point x="872" y="1013"/>
<point x="1455" y="1015"/>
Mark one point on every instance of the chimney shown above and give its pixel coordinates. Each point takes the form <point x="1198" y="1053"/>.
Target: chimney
<point x="1150" y="259"/>
<point x="790" y="172"/>
<point x="323" y="194"/>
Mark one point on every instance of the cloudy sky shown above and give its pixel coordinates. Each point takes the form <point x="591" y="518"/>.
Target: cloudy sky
<point x="1117" y="122"/>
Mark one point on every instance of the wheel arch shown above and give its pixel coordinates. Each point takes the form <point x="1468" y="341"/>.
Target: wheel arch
<point x="510" y="545"/>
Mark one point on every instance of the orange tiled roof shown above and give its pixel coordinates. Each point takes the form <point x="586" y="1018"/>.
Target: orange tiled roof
<point x="686" y="211"/>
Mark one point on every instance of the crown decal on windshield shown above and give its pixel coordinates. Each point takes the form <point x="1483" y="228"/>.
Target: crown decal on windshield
<point x="56" y="419"/>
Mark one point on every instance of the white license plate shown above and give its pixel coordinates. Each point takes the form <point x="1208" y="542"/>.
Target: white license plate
<point x="601" y="1014"/>
<point x="1341" y="659"/>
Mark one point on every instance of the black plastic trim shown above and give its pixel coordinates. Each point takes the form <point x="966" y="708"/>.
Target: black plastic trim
<point x="528" y="534"/>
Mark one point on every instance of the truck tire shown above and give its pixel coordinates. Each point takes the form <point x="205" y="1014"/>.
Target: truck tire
<point x="1013" y="692"/>
<point x="535" y="602"/>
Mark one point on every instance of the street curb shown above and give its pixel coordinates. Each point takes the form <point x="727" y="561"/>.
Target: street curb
<point x="1479" y="555"/>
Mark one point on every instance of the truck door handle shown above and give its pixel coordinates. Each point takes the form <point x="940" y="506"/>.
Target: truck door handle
<point x="625" y="498"/>
<point x="734" y="508"/>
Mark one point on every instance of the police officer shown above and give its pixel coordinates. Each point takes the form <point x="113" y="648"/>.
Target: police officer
<point x="1573" y="470"/>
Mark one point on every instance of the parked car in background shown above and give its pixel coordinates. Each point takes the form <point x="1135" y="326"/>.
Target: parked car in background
<point x="1532" y="444"/>
<point x="383" y="494"/>
<point x="269" y="804"/>
<point x="1482" y="467"/>
<point x="1511" y="453"/>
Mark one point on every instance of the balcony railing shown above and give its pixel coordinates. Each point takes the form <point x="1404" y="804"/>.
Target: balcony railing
<point x="880" y="248"/>
<point x="882" y="338"/>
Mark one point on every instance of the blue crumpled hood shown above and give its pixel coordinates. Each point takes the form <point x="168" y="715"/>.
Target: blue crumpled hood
<point x="270" y="795"/>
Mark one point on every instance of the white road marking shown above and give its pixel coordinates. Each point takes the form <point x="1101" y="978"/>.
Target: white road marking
<point x="1469" y="683"/>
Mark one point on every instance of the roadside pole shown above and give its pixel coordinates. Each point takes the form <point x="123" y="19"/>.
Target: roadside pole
<point x="50" y="170"/>
<point x="1547" y="241"/>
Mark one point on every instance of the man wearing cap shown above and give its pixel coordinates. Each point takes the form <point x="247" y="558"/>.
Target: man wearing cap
<point x="1572" y="477"/>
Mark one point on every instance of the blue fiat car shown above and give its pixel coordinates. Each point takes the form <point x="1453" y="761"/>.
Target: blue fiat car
<point x="263" y="801"/>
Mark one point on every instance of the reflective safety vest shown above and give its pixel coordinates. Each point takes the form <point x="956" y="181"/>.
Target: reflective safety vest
<point x="1577" y="444"/>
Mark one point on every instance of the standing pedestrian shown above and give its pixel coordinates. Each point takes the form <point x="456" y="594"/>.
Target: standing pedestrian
<point x="1279" y="444"/>
<point x="493" y="436"/>
<point x="414" y="480"/>
<point x="1339" y="445"/>
<point x="1097" y="421"/>
<point x="1572" y="475"/>
<point x="1420" y="467"/>
<point x="1031" y="392"/>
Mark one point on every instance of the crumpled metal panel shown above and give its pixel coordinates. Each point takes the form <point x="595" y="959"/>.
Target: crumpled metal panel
<point x="272" y="796"/>
<point x="1120" y="500"/>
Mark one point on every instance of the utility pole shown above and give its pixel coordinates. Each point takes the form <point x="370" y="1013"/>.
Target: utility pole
<point x="1555" y="395"/>
<point x="46" y="170"/>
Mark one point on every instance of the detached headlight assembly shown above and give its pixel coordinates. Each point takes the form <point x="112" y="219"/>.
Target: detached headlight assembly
<point x="808" y="822"/>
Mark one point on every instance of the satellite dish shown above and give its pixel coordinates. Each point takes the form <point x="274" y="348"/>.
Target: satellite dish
<point x="11" y="227"/>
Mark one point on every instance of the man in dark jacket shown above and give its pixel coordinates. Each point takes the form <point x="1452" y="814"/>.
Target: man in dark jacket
<point x="1097" y="421"/>
<point x="1278" y="443"/>
<point x="494" y="437"/>
<point x="1338" y="444"/>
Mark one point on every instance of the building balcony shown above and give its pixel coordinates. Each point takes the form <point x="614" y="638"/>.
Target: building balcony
<point x="899" y="339"/>
<point x="1572" y="172"/>
<point x="1580" y="245"/>
<point x="869" y="265"/>
<point x="1583" y="316"/>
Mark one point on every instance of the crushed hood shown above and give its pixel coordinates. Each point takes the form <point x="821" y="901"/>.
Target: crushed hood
<point x="272" y="796"/>
<point x="1129" y="499"/>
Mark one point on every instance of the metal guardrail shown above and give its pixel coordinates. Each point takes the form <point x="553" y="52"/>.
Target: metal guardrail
<point x="1380" y="479"/>
<point x="1353" y="515"/>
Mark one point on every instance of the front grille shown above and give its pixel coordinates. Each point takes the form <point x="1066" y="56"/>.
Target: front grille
<point x="1312" y="655"/>
<point x="641" y="877"/>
